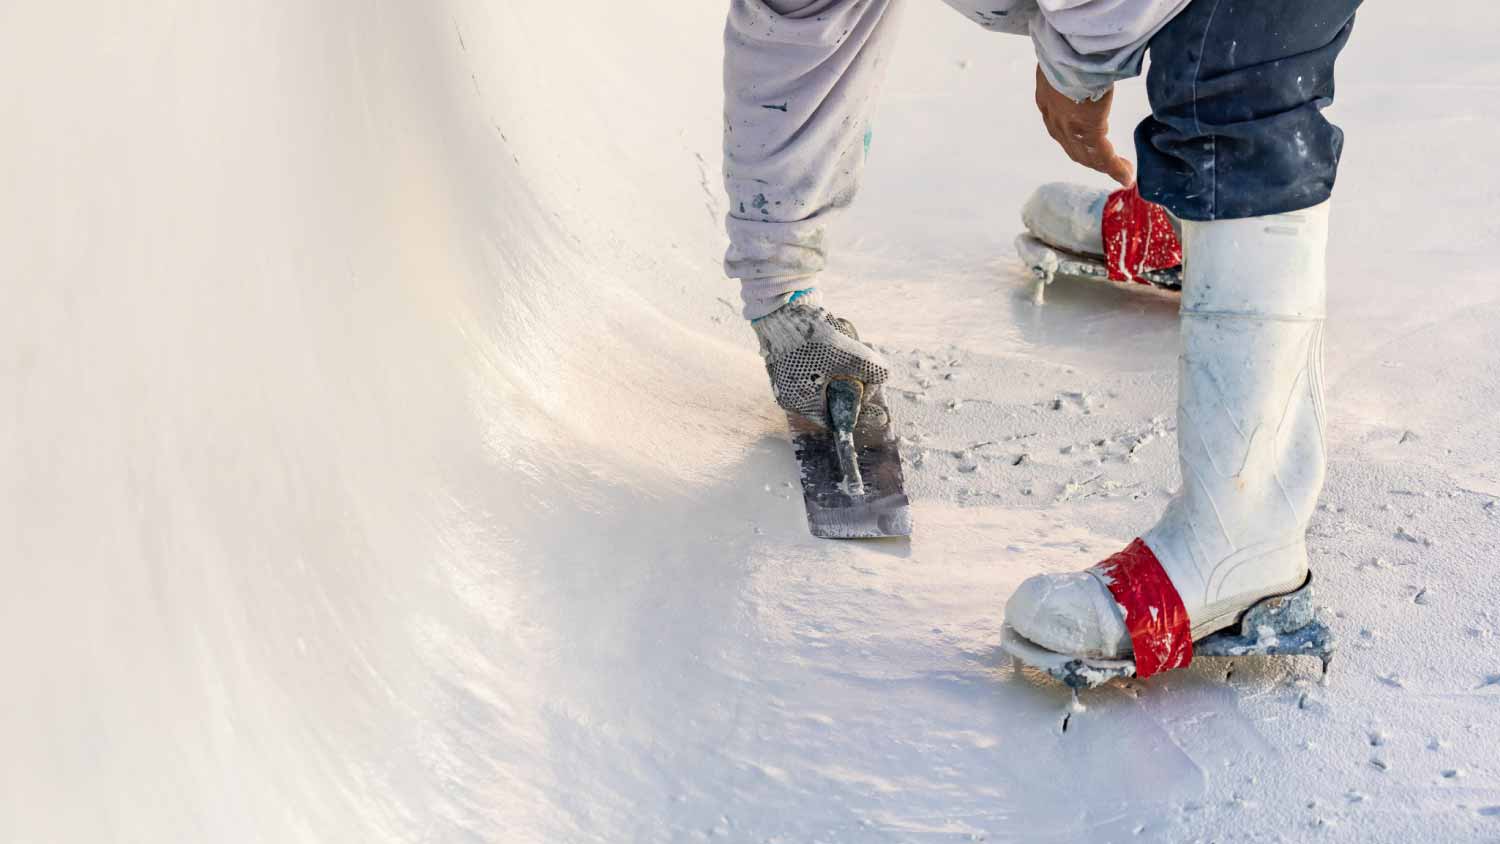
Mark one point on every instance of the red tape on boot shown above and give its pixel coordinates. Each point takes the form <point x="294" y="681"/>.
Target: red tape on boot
<point x="1160" y="631"/>
<point x="1138" y="237"/>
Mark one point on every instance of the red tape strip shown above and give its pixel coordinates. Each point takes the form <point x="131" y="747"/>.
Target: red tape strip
<point x="1138" y="237"/>
<point x="1160" y="631"/>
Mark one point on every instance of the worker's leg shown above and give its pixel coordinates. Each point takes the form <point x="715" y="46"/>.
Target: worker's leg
<point x="800" y="77"/>
<point x="1237" y="90"/>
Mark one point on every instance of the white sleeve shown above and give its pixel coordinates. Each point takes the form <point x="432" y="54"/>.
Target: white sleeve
<point x="1084" y="46"/>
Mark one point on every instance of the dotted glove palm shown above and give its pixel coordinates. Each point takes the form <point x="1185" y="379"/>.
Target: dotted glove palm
<point x="805" y="347"/>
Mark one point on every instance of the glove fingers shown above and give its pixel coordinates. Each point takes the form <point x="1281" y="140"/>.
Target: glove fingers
<point x="801" y="377"/>
<point x="806" y="348"/>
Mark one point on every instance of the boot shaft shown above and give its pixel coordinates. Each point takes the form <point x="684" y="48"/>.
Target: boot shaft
<point x="1273" y="266"/>
<point x="1250" y="415"/>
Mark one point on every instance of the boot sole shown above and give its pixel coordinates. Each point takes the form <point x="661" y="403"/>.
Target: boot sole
<point x="1279" y="625"/>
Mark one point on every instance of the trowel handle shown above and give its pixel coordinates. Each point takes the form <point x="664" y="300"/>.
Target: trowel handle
<point x="845" y="398"/>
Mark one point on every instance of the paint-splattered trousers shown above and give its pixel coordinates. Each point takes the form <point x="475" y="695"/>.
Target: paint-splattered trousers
<point x="1236" y="87"/>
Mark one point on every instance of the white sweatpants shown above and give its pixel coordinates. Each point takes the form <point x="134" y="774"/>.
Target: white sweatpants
<point x="800" y="78"/>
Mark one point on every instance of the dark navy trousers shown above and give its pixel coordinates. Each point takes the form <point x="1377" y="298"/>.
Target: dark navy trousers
<point x="1237" y="89"/>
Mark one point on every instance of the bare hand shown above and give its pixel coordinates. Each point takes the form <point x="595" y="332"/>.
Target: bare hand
<point x="1082" y="130"/>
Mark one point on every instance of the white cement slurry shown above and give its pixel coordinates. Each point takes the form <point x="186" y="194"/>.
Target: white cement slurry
<point x="339" y="508"/>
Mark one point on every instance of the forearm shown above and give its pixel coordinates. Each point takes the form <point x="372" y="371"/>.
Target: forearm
<point x="1085" y="46"/>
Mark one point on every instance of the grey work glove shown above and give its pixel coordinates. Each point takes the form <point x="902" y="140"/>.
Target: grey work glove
<point x="805" y="347"/>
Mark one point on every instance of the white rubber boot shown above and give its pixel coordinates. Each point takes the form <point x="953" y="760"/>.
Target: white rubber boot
<point x="1250" y="439"/>
<point x="1067" y="216"/>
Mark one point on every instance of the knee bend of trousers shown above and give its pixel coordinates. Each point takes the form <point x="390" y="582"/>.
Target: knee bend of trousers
<point x="1237" y="89"/>
<point x="1010" y="16"/>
